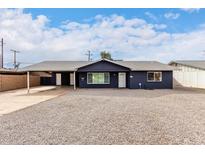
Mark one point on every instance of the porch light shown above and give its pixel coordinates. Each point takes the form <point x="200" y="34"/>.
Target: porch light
<point x="131" y="76"/>
<point x="140" y="85"/>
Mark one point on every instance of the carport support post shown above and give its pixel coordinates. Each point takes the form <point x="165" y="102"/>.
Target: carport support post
<point x="74" y="84"/>
<point x="28" y="82"/>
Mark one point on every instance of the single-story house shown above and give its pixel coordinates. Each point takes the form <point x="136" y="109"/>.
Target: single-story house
<point x="189" y="73"/>
<point x="105" y="74"/>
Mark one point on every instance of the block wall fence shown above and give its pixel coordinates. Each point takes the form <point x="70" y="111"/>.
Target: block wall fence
<point x="12" y="82"/>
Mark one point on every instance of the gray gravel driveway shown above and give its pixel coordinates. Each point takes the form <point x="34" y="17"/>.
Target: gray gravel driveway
<point x="110" y="116"/>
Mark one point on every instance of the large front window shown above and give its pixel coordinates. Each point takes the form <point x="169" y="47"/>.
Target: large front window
<point x="98" y="78"/>
<point x="154" y="76"/>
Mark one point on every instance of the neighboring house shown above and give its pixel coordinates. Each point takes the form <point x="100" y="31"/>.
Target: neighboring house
<point x="105" y="74"/>
<point x="189" y="73"/>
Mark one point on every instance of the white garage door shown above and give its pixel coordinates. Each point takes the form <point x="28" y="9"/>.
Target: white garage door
<point x="71" y="78"/>
<point x="194" y="79"/>
<point x="121" y="80"/>
<point x="58" y="79"/>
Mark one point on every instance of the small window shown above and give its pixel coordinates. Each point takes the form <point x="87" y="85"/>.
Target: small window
<point x="154" y="76"/>
<point x="90" y="79"/>
<point x="98" y="78"/>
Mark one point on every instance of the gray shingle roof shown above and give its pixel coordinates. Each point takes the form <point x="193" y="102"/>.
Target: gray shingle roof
<point x="145" y="65"/>
<point x="193" y="63"/>
<point x="74" y="65"/>
<point x="55" y="66"/>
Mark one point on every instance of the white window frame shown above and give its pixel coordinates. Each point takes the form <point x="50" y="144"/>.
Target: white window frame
<point x="98" y="73"/>
<point x="154" y="77"/>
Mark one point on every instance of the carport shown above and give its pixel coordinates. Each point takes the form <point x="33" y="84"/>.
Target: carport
<point x="59" y="78"/>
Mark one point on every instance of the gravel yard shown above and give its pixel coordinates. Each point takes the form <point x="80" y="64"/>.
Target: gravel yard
<point x="110" y="116"/>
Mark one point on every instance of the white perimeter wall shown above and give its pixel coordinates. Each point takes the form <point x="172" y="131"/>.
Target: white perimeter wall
<point x="189" y="77"/>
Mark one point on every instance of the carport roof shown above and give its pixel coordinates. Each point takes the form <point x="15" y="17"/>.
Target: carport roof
<point x="74" y="65"/>
<point x="9" y="71"/>
<point x="192" y="63"/>
<point x="55" y="66"/>
<point x="6" y="70"/>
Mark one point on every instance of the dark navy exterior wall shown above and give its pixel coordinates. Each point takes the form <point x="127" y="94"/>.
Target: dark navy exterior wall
<point x="65" y="78"/>
<point x="141" y="77"/>
<point x="103" y="66"/>
<point x="83" y="81"/>
<point x="49" y="80"/>
<point x="128" y="80"/>
<point x="131" y="82"/>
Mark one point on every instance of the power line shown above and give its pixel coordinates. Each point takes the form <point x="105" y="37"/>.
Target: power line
<point x="89" y="54"/>
<point x="16" y="65"/>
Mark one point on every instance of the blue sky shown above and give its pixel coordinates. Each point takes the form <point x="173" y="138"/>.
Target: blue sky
<point x="128" y="34"/>
<point x="186" y="21"/>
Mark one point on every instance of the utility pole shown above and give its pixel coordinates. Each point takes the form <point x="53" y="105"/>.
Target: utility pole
<point x="2" y="53"/>
<point x="15" y="62"/>
<point x="89" y="54"/>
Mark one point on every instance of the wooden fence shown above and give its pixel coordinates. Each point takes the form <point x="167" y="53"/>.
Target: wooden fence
<point x="11" y="82"/>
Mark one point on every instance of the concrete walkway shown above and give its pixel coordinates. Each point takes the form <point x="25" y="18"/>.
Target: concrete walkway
<point x="14" y="100"/>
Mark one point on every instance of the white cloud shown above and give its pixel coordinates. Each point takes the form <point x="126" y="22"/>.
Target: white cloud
<point x="191" y="10"/>
<point x="202" y="25"/>
<point x="171" y="15"/>
<point x="150" y="15"/>
<point x="160" y="26"/>
<point x="128" y="39"/>
<point x="74" y="25"/>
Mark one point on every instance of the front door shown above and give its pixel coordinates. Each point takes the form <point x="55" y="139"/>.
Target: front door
<point x="58" y="79"/>
<point x="71" y="78"/>
<point x="122" y="80"/>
